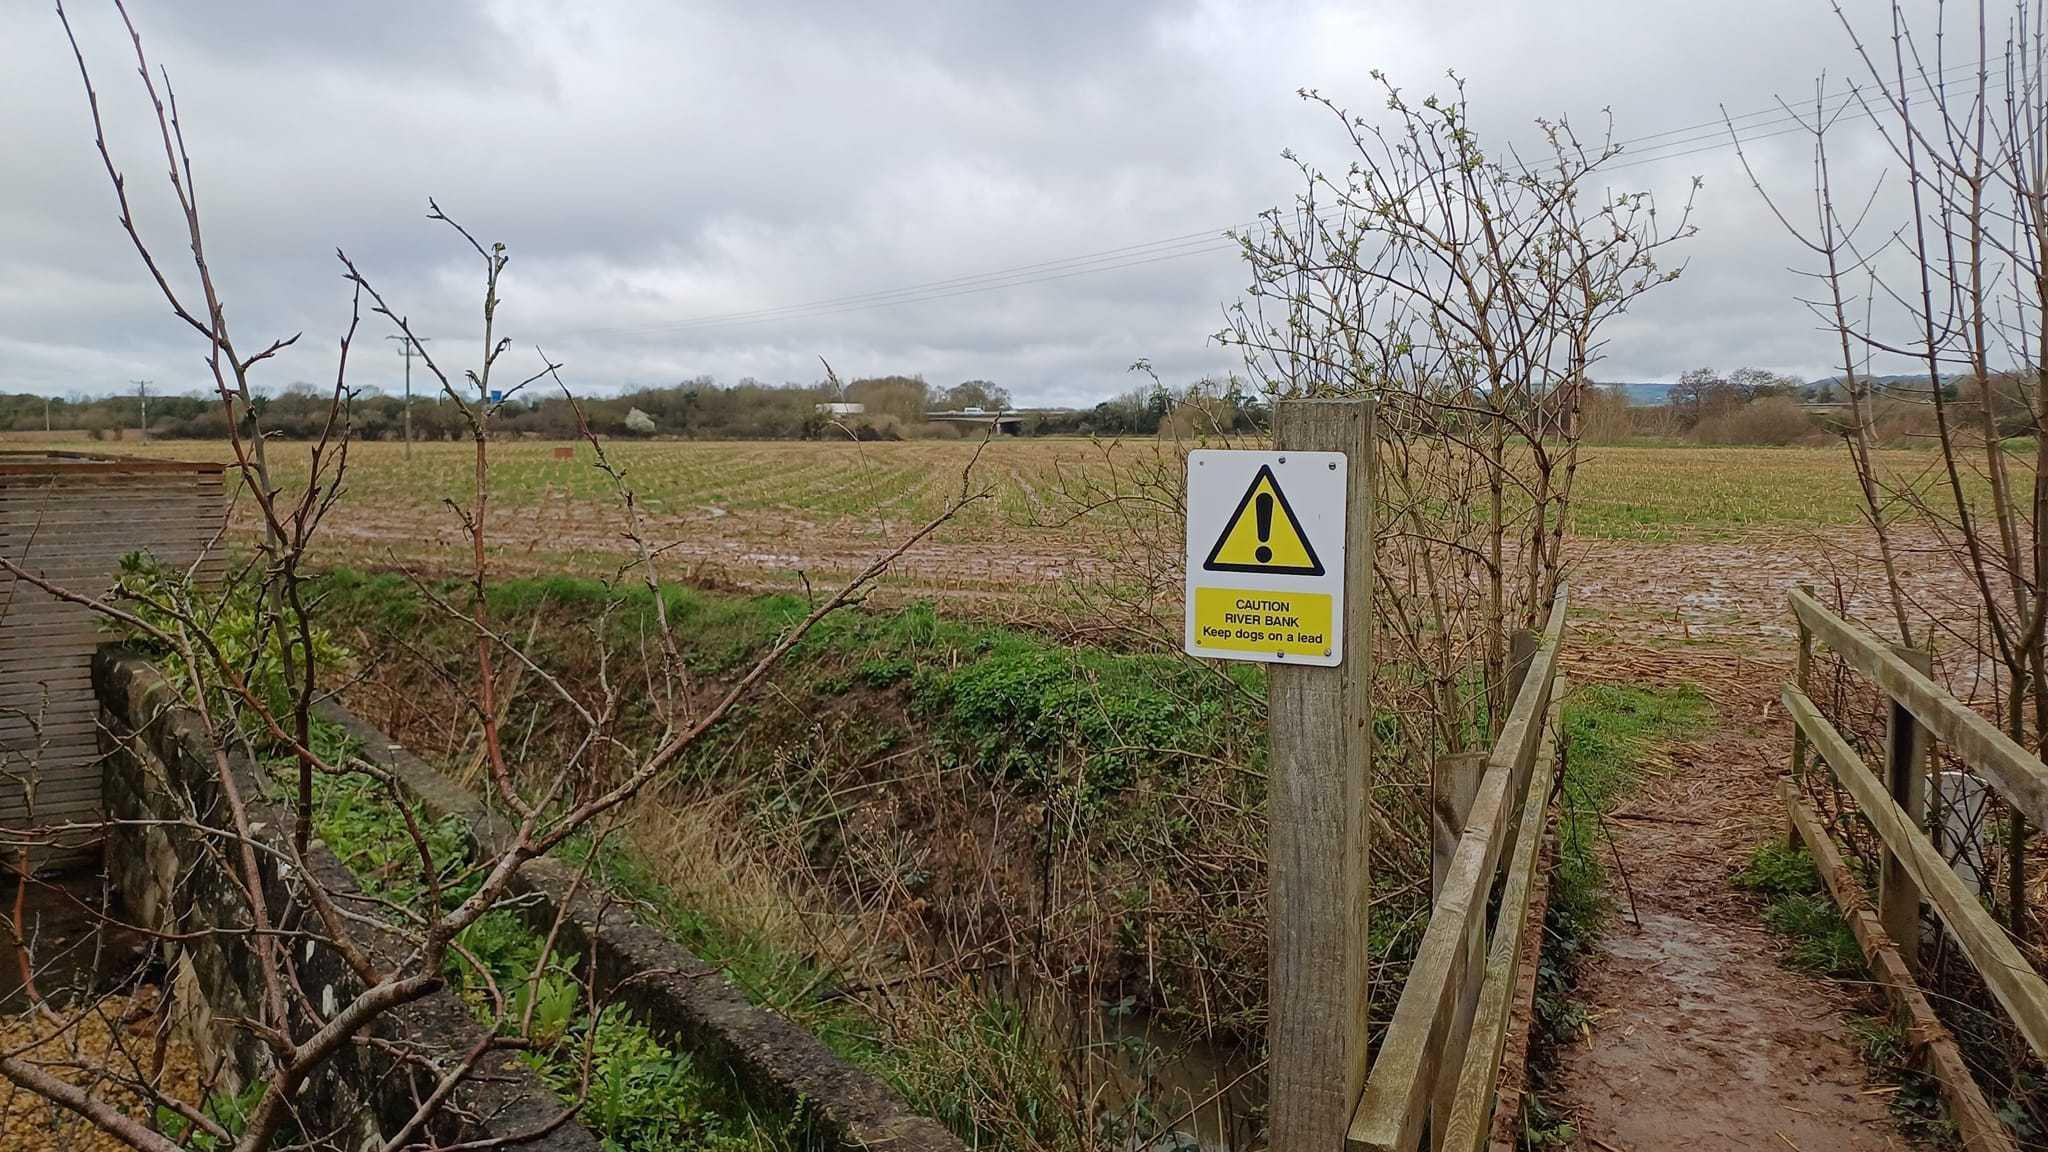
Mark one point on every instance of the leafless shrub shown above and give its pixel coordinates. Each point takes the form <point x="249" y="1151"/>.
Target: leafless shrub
<point x="255" y="690"/>
<point x="1466" y="291"/>
<point x="1773" y="421"/>
<point x="1606" y="417"/>
<point x="1950" y="273"/>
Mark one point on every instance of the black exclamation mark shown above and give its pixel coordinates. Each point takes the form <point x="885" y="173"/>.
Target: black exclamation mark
<point x="1264" y="509"/>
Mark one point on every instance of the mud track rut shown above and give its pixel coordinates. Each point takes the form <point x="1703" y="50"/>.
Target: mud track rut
<point x="1698" y="1038"/>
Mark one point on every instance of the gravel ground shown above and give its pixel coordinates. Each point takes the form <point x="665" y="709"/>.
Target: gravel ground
<point x="117" y="1036"/>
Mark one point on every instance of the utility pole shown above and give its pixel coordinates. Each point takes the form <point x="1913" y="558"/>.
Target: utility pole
<point x="409" y="347"/>
<point x="141" y="406"/>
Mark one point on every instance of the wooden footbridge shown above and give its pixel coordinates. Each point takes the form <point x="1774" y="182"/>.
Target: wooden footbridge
<point x="1461" y="1019"/>
<point x="1436" y="1075"/>
<point x="1891" y="801"/>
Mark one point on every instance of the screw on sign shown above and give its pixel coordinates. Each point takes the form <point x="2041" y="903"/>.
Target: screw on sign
<point x="1265" y="556"/>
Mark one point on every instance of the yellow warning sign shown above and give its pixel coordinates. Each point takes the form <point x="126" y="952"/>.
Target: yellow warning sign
<point x="1244" y="620"/>
<point x="1263" y="535"/>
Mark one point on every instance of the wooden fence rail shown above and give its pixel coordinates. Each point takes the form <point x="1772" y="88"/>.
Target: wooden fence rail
<point x="2020" y="777"/>
<point x="1478" y="1080"/>
<point x="1445" y="1040"/>
<point x="1913" y="870"/>
<point x="70" y="518"/>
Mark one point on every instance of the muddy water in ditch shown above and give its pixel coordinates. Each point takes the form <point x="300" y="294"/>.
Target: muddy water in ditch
<point x="1163" y="1090"/>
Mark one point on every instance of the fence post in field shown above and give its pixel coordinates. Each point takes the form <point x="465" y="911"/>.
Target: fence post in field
<point x="1319" y="790"/>
<point x="1450" y="802"/>
<point x="1906" y="744"/>
<point x="1802" y="673"/>
<point x="1455" y="784"/>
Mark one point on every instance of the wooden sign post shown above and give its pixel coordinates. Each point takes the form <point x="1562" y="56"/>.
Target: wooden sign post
<point x="1279" y="571"/>
<point x="1319" y="793"/>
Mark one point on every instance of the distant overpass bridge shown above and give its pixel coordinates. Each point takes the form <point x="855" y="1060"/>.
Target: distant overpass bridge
<point x="1007" y="421"/>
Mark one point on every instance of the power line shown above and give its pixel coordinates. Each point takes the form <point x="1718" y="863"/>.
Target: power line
<point x="1797" y="119"/>
<point x="1676" y="143"/>
<point x="1798" y="122"/>
<point x="1778" y="110"/>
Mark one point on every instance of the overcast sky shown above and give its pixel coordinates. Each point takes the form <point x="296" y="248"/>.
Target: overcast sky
<point x="654" y="164"/>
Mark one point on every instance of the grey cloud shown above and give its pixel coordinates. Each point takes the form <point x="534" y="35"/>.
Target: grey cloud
<point x="650" y="163"/>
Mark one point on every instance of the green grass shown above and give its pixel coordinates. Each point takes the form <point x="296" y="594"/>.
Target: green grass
<point x="1607" y="728"/>
<point x="1776" y="869"/>
<point x="963" y="1053"/>
<point x="1798" y="908"/>
<point x="1007" y="702"/>
<point x="1074" y="727"/>
<point x="790" y="983"/>
<point x="1819" y="942"/>
<point x="1156" y="757"/>
<point x="1916" y="1106"/>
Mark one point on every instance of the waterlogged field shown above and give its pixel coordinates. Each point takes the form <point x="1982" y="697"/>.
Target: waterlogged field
<point x="784" y="513"/>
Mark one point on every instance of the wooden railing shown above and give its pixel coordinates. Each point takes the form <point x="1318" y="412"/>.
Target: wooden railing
<point x="1438" y="1066"/>
<point x="1912" y="870"/>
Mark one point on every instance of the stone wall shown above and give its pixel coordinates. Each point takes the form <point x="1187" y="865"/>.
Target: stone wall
<point x="163" y="792"/>
<point x="684" y="1000"/>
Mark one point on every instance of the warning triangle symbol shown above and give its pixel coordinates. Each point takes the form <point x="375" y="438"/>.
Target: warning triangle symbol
<point x="1263" y="535"/>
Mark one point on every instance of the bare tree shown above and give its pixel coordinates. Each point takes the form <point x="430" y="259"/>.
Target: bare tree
<point x="254" y="690"/>
<point x="1941" y="264"/>
<point x="1467" y="291"/>
<point x="1948" y="271"/>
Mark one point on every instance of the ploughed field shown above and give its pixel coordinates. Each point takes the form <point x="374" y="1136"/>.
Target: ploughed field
<point x="1688" y="542"/>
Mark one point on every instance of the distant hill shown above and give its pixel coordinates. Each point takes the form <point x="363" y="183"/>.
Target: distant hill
<point x="1657" y="392"/>
<point x="1649" y="394"/>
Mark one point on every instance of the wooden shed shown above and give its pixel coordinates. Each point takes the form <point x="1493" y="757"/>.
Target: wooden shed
<point x="69" y="518"/>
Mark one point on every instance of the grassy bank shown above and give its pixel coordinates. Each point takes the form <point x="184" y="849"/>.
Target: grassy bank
<point x="965" y="856"/>
<point x="1021" y="880"/>
<point x="1058" y="834"/>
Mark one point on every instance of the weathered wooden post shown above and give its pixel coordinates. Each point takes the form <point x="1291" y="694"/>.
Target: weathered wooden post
<point x="1319" y="772"/>
<point x="1455" y="786"/>
<point x="1521" y="650"/>
<point x="1906" y="745"/>
<point x="2016" y="872"/>
<point x="1451" y="791"/>
<point x="1279" y="571"/>
<point x="1801" y="673"/>
<point x="2016" y="839"/>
